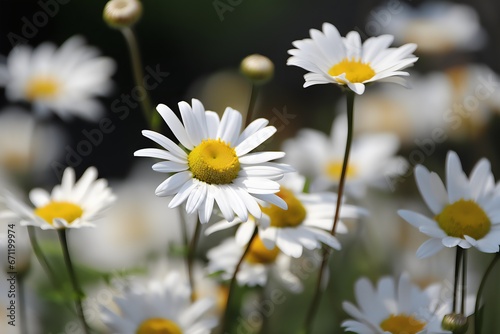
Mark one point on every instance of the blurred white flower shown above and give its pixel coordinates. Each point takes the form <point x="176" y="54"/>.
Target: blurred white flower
<point x="64" y="80"/>
<point x="258" y="266"/>
<point x="160" y="306"/>
<point x="372" y="161"/>
<point x="437" y="27"/>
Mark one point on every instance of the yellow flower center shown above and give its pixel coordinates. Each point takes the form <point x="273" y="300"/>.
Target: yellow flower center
<point x="464" y="218"/>
<point x="65" y="210"/>
<point x="355" y="71"/>
<point x="258" y="253"/>
<point x="42" y="88"/>
<point x="334" y="169"/>
<point x="214" y="162"/>
<point x="158" y="326"/>
<point x="402" y="324"/>
<point x="292" y="217"/>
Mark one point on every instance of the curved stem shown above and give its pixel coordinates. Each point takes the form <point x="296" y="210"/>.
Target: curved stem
<point x="22" y="304"/>
<point x="41" y="257"/>
<point x="477" y="325"/>
<point x="135" y="57"/>
<point x="317" y="294"/>
<point x="251" y="104"/>
<point x="190" y="258"/>
<point x="74" y="280"/>
<point x="233" y="280"/>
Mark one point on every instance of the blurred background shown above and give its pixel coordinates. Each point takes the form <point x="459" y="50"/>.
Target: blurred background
<point x="201" y="43"/>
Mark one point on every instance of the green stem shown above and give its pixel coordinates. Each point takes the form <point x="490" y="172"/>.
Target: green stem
<point x="317" y="294"/>
<point x="232" y="283"/>
<point x="190" y="258"/>
<point x="464" y="281"/>
<point x="251" y="104"/>
<point x="41" y="257"/>
<point x="22" y="304"/>
<point x="74" y="280"/>
<point x="458" y="260"/>
<point x="135" y="57"/>
<point x="477" y="324"/>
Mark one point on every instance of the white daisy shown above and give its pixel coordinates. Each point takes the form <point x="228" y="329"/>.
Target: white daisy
<point x="330" y="58"/>
<point x="465" y="214"/>
<point x="214" y="163"/>
<point x="70" y="205"/>
<point x="257" y="267"/>
<point x="372" y="161"/>
<point x="162" y="306"/>
<point x="306" y="223"/>
<point x="64" y="80"/>
<point x="401" y="308"/>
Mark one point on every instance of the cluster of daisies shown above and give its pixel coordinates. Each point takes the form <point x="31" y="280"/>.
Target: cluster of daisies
<point x="217" y="173"/>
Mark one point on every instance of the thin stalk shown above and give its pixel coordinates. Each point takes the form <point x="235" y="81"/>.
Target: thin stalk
<point x="458" y="260"/>
<point x="22" y="303"/>
<point x="477" y="324"/>
<point x="41" y="257"/>
<point x="464" y="282"/>
<point x="73" y="278"/>
<point x="251" y="104"/>
<point x="326" y="252"/>
<point x="190" y="258"/>
<point x="135" y="58"/>
<point x="233" y="281"/>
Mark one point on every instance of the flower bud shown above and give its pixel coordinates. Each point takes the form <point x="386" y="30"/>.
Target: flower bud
<point x="259" y="69"/>
<point x="122" y="13"/>
<point x="457" y="323"/>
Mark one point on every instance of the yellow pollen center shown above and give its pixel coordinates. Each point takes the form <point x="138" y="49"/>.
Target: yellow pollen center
<point x="402" y="324"/>
<point x="292" y="217"/>
<point x="158" y="326"/>
<point x="355" y="71"/>
<point x="42" y="88"/>
<point x="334" y="169"/>
<point x="464" y="217"/>
<point x="65" y="210"/>
<point x="258" y="253"/>
<point x="214" y="161"/>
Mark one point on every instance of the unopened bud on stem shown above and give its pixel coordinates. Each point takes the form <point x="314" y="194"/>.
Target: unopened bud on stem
<point x="259" y="69"/>
<point x="122" y="13"/>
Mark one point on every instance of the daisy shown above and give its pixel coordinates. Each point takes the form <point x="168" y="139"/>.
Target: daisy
<point x="306" y="223"/>
<point x="372" y="161"/>
<point x="396" y="308"/>
<point x="465" y="214"/>
<point x="161" y="306"/>
<point x="214" y="163"/>
<point x="70" y="205"/>
<point x="345" y="61"/>
<point x="257" y="266"/>
<point x="64" y="80"/>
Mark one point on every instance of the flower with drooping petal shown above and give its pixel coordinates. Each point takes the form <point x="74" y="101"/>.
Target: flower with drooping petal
<point x="160" y="306"/>
<point x="214" y="163"/>
<point x="65" y="80"/>
<point x="257" y="267"/>
<point x="346" y="61"/>
<point x="305" y="224"/>
<point x="70" y="204"/>
<point x="464" y="214"/>
<point x="397" y="308"/>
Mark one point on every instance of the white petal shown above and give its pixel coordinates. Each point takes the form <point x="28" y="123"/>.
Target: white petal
<point x="230" y="126"/>
<point x="175" y="125"/>
<point x="254" y="140"/>
<point x="432" y="189"/>
<point x="429" y="248"/>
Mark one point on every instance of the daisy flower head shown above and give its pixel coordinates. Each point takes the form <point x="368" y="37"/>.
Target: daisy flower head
<point x="465" y="213"/>
<point x="160" y="306"/>
<point x="305" y="224"/>
<point x="257" y="267"/>
<point x="346" y="61"/>
<point x="65" y="80"/>
<point x="214" y="163"/>
<point x="396" y="308"/>
<point x="70" y="204"/>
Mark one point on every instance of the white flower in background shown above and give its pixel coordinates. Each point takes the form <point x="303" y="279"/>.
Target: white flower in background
<point x="464" y="214"/>
<point x="25" y="147"/>
<point x="65" y="80"/>
<point x="161" y="306"/>
<point x="401" y="307"/>
<point x="214" y="163"/>
<point x="305" y="224"/>
<point x="70" y="205"/>
<point x="136" y="227"/>
<point x="372" y="161"/>
<point x="259" y="265"/>
<point x="437" y="27"/>
<point x="346" y="61"/>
